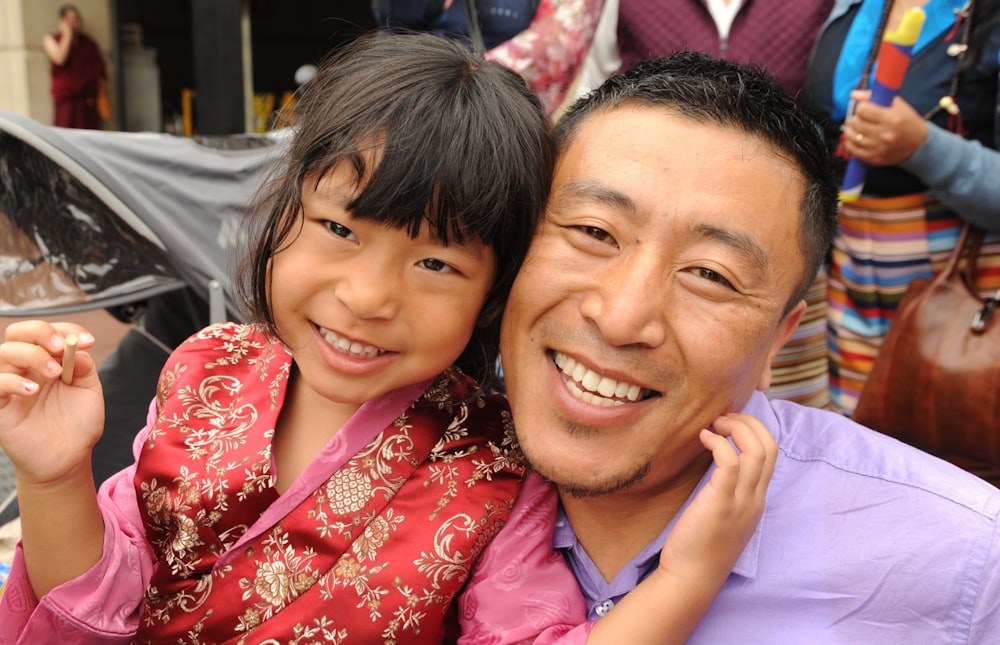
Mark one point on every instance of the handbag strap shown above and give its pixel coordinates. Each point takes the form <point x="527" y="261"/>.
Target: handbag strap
<point x="472" y="23"/>
<point x="954" y="264"/>
<point x="970" y="241"/>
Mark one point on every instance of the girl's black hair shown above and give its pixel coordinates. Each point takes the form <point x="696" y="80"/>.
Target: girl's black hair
<point x="462" y="144"/>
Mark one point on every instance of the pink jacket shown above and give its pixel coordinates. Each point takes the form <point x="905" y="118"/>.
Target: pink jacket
<point x="521" y="590"/>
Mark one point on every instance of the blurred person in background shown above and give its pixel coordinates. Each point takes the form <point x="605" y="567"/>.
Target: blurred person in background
<point x="932" y="163"/>
<point x="543" y="40"/>
<point x="77" y="70"/>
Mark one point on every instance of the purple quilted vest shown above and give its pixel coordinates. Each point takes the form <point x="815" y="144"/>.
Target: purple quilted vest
<point x="776" y="34"/>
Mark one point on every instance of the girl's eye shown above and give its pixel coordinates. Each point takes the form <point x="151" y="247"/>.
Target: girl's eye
<point x="341" y="231"/>
<point x="435" y="265"/>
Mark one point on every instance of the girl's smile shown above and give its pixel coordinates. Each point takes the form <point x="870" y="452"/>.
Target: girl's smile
<point x="366" y="308"/>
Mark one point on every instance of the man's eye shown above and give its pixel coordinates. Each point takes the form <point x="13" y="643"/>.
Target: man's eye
<point x="435" y="265"/>
<point x="598" y="234"/>
<point x="714" y="276"/>
<point x="340" y="230"/>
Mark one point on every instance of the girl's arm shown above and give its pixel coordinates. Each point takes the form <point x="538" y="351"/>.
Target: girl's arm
<point x="545" y="602"/>
<point x="101" y="606"/>
<point x="48" y="429"/>
<point x="705" y="543"/>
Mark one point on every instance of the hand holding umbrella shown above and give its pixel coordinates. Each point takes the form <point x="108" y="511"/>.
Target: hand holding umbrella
<point x="893" y="60"/>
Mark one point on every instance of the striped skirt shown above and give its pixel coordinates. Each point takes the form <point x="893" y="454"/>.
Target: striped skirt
<point x="882" y="245"/>
<point x="799" y="371"/>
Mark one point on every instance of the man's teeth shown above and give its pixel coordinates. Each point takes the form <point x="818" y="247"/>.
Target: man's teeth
<point x="352" y="348"/>
<point x="591" y="387"/>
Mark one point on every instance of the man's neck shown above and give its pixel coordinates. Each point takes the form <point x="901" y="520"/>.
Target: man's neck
<point x="614" y="528"/>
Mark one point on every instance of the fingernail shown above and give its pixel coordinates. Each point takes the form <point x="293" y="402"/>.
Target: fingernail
<point x="86" y="338"/>
<point x="53" y="367"/>
<point x="29" y="386"/>
<point x="57" y="341"/>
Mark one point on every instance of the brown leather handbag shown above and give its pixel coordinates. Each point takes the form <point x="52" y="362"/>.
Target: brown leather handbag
<point x="936" y="381"/>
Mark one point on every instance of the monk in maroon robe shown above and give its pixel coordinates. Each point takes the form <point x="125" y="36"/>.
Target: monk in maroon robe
<point x="77" y="69"/>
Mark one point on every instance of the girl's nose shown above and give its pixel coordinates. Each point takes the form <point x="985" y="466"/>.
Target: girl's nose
<point x="370" y="292"/>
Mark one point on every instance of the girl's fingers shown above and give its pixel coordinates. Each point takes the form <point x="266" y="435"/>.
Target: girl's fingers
<point x="755" y="450"/>
<point x="35" y="352"/>
<point x="14" y="385"/>
<point x="26" y="359"/>
<point x="50" y="336"/>
<point x="727" y="460"/>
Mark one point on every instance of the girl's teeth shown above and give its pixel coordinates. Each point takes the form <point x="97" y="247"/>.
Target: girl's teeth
<point x="347" y="347"/>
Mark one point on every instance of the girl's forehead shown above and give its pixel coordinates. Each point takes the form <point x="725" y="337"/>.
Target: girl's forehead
<point x="339" y="187"/>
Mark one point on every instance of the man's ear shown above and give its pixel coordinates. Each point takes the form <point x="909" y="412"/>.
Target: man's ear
<point x="786" y="328"/>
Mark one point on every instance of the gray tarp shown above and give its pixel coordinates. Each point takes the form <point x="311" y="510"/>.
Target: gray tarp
<point x="95" y="219"/>
<point x="92" y="219"/>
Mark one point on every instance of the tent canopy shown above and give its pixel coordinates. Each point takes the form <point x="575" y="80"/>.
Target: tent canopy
<point x="93" y="219"/>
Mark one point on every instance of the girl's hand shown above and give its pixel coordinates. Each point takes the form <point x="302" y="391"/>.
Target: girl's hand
<point x="47" y="427"/>
<point x="883" y="136"/>
<point x="712" y="532"/>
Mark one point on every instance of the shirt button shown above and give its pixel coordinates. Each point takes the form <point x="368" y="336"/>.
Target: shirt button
<point x="604" y="607"/>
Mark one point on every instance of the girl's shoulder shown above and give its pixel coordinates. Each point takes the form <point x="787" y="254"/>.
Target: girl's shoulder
<point x="232" y="350"/>
<point x="473" y="421"/>
<point x="227" y="343"/>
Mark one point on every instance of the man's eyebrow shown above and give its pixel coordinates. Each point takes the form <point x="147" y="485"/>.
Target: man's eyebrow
<point x="589" y="191"/>
<point x="740" y="242"/>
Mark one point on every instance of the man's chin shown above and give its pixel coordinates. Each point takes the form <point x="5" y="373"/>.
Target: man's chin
<point x="599" y="485"/>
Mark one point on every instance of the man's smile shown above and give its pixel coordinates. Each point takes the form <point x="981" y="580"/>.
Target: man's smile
<point x="594" y="388"/>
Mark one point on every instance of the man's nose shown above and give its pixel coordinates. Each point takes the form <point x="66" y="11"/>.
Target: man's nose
<point x="628" y="303"/>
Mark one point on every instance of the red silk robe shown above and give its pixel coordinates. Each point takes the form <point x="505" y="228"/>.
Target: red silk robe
<point x="375" y="555"/>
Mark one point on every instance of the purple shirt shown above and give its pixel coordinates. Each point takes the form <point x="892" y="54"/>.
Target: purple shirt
<point x="864" y="540"/>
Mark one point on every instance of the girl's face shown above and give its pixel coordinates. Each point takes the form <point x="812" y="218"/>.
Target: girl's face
<point x="363" y="308"/>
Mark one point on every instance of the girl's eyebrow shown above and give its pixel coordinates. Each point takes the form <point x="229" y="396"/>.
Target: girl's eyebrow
<point x="472" y="247"/>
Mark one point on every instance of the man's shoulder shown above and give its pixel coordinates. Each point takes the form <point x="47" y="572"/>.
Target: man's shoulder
<point x="822" y="445"/>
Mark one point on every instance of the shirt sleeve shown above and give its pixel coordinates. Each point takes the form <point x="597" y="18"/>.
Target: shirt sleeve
<point x="550" y="51"/>
<point x="962" y="173"/>
<point x="521" y="591"/>
<point x="986" y="609"/>
<point x="100" y="606"/>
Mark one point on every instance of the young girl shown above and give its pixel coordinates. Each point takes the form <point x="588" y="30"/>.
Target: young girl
<point x="327" y="472"/>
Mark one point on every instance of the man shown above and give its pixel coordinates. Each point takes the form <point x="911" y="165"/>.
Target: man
<point x="775" y="34"/>
<point x="692" y="204"/>
<point x="77" y="70"/>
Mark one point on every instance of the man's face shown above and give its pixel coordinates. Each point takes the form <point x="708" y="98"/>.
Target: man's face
<point x="652" y="299"/>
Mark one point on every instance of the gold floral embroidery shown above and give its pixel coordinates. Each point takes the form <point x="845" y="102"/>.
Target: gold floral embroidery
<point x="279" y="579"/>
<point x="193" y="517"/>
